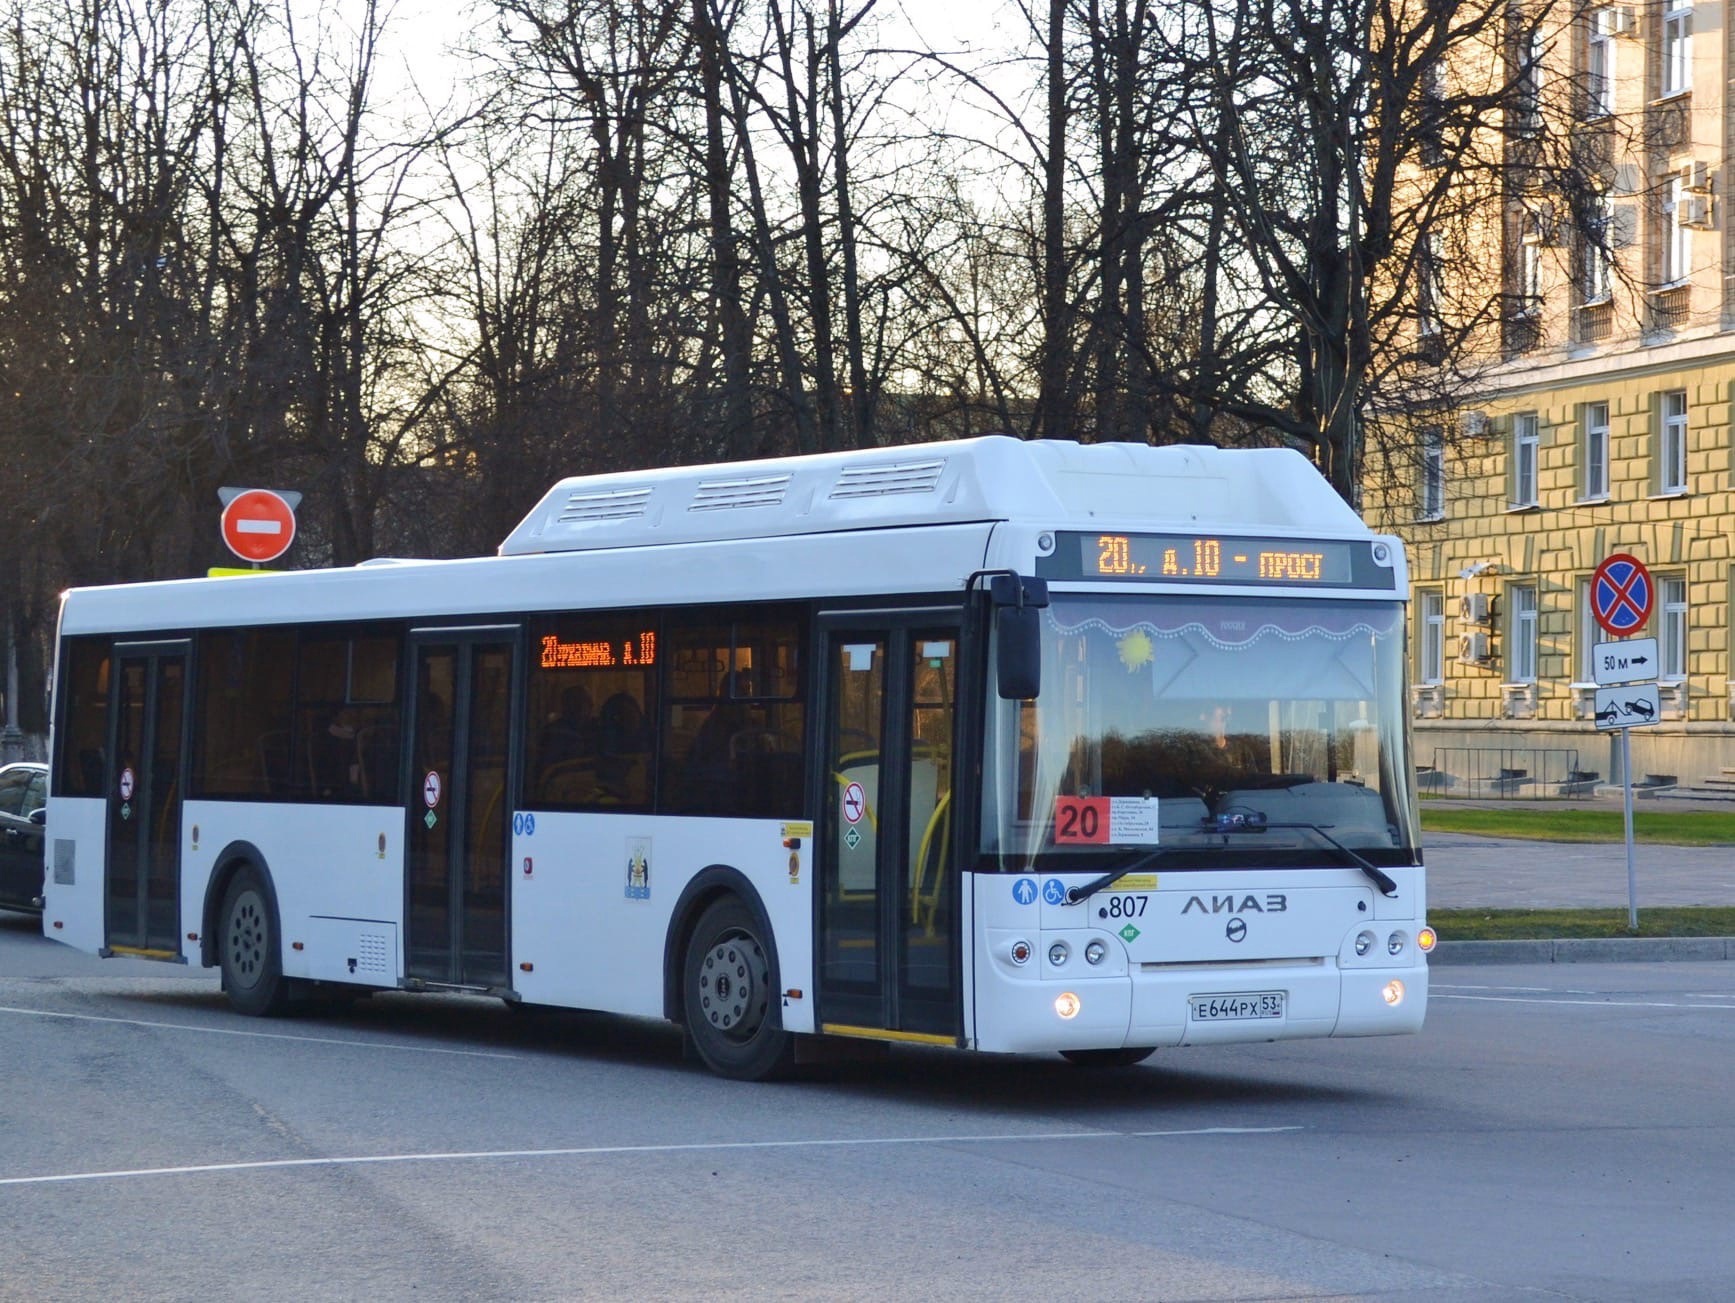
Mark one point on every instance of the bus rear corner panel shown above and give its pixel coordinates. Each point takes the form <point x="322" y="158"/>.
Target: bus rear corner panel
<point x="72" y="887"/>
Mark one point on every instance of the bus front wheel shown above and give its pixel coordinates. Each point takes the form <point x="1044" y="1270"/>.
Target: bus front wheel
<point x="732" y="1013"/>
<point x="1122" y="1058"/>
<point x="251" y="961"/>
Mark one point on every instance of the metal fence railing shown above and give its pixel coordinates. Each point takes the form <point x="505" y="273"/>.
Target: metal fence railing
<point x="1505" y="772"/>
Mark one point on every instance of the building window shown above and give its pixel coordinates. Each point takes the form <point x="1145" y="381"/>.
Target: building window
<point x="1530" y="275"/>
<point x="1589" y="634"/>
<point x="1522" y="636"/>
<point x="1428" y="287"/>
<point x="1526" y="445"/>
<point x="1596" y="282"/>
<point x="1433" y="486"/>
<point x="1672" y="635"/>
<point x="1672" y="447"/>
<point x="1527" y="112"/>
<point x="1594" y="454"/>
<point x="1433" y="667"/>
<point x="1599" y="65"/>
<point x="1677" y="238"/>
<point x="1678" y="50"/>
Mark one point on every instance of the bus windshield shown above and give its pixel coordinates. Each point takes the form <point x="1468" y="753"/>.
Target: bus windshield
<point x="1205" y="731"/>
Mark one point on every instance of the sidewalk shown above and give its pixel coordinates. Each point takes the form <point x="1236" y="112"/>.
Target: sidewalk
<point x="1467" y="872"/>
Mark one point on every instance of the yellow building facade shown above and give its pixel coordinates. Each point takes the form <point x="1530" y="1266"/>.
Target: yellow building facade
<point x="1604" y="423"/>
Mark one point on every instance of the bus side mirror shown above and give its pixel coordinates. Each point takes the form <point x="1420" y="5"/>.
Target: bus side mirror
<point x="1018" y="602"/>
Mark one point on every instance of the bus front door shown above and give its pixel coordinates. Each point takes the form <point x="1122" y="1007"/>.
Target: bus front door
<point x="888" y="917"/>
<point x="148" y="742"/>
<point x="458" y="813"/>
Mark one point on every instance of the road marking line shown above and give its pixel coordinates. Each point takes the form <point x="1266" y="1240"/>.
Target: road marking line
<point x="592" y="1151"/>
<point x="266" y="1036"/>
<point x="1459" y="986"/>
<point x="1600" y="1004"/>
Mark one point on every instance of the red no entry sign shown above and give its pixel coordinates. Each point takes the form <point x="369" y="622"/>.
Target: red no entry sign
<point x="1621" y="593"/>
<point x="258" y="525"/>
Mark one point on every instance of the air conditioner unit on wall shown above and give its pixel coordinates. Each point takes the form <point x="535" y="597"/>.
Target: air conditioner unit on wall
<point x="1473" y="647"/>
<point x="1694" y="211"/>
<point x="1474" y="608"/>
<point x="1695" y="176"/>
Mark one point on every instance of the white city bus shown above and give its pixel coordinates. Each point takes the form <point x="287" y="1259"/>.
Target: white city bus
<point x="998" y="745"/>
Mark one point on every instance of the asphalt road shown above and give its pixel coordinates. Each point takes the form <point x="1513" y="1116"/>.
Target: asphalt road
<point x="1563" y="1132"/>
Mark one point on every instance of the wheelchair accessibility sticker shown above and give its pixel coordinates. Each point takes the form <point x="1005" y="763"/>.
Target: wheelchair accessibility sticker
<point x="1054" y="891"/>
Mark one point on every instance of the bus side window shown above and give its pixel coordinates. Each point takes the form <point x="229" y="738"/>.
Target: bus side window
<point x="241" y="719"/>
<point x="83" y="726"/>
<point x="592" y="682"/>
<point x="743" y="755"/>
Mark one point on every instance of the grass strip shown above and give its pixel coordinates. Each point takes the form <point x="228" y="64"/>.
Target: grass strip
<point x="1686" y="828"/>
<point x="1550" y="924"/>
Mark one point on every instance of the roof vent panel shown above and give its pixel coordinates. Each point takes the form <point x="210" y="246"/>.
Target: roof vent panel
<point x="745" y="491"/>
<point x="612" y="504"/>
<point x="888" y="479"/>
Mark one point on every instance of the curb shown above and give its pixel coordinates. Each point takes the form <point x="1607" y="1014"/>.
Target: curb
<point x="1585" y="950"/>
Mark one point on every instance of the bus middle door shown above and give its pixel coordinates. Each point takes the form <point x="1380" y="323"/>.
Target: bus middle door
<point x="888" y="967"/>
<point x="458" y="807"/>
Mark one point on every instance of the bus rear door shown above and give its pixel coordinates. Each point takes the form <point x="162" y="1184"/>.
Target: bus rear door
<point x="146" y="782"/>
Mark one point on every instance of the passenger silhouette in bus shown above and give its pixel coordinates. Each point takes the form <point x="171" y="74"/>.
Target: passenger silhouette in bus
<point x="622" y="742"/>
<point x="570" y="735"/>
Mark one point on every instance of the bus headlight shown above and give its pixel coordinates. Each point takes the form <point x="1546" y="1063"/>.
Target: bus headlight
<point x="1364" y="942"/>
<point x="1396" y="942"/>
<point x="1095" y="952"/>
<point x="1066" y="1005"/>
<point x="1058" y="954"/>
<point x="1393" y="991"/>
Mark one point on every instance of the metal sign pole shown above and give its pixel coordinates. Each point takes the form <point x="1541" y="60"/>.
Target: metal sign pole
<point x="1627" y="790"/>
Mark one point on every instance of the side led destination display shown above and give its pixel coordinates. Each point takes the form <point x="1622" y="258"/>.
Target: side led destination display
<point x="1214" y="559"/>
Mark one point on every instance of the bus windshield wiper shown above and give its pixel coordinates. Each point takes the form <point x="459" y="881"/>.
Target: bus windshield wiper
<point x="1258" y="823"/>
<point x="1078" y="895"/>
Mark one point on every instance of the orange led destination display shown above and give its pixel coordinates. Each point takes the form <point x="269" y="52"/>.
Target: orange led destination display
<point x="1211" y="558"/>
<point x="599" y="654"/>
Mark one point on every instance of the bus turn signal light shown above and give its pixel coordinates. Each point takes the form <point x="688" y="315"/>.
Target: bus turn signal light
<point x="1427" y="939"/>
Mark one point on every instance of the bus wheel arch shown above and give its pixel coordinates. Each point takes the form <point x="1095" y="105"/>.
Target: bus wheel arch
<point x="719" y="918"/>
<point x="243" y="934"/>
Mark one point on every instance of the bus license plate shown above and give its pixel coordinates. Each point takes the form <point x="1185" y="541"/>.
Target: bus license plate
<point x="1249" y="1004"/>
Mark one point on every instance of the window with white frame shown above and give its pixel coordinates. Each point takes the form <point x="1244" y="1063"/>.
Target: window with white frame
<point x="1526" y="446"/>
<point x="1672" y="448"/>
<point x="1678" y="50"/>
<point x="1433" y="485"/>
<point x="1522" y="634"/>
<point x="1595" y="454"/>
<point x="1599" y="65"/>
<point x="1596" y="281"/>
<point x="1677" y="239"/>
<point x="1428" y="285"/>
<point x="1530" y="275"/>
<point x="1589" y="634"/>
<point x="1433" y="666"/>
<point x="1527" y="115"/>
<point x="1672" y="633"/>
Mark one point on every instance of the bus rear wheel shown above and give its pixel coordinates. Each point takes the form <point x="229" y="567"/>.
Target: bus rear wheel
<point x="248" y="949"/>
<point x="731" y="1012"/>
<point x="1122" y="1058"/>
